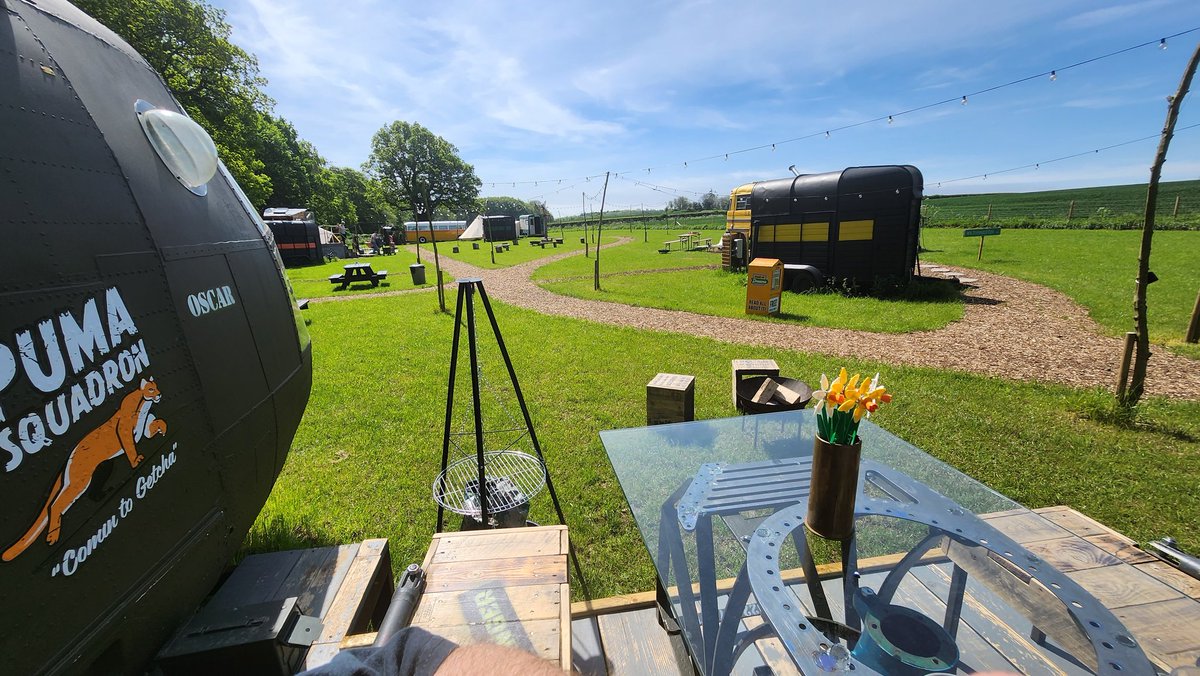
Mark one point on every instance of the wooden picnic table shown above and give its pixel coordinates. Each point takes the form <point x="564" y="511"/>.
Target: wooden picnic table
<point x="354" y="273"/>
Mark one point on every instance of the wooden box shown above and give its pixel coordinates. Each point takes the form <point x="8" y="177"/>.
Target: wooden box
<point x="506" y="586"/>
<point x="670" y="398"/>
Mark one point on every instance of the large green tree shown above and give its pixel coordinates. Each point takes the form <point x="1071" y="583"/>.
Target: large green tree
<point x="505" y="206"/>
<point x="421" y="172"/>
<point x="539" y="207"/>
<point x="371" y="208"/>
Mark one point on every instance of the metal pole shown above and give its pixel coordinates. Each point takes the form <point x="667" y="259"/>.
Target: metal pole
<point x="462" y="290"/>
<point x="472" y="342"/>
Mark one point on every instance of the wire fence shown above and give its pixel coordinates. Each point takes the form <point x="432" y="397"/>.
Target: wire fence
<point x="1176" y="209"/>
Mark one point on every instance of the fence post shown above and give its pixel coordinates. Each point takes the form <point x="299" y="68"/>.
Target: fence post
<point x="1070" y="211"/>
<point x="989" y="214"/>
<point x="1175" y="211"/>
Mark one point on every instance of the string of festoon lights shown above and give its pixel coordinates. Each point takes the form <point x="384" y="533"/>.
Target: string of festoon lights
<point x="982" y="175"/>
<point x="1051" y="74"/>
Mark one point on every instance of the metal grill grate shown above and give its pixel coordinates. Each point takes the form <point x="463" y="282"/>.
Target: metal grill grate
<point x="513" y="479"/>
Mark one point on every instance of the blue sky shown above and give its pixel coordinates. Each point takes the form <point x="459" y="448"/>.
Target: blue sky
<point x="554" y="92"/>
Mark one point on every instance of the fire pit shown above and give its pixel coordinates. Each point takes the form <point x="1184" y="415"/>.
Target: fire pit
<point x="748" y="387"/>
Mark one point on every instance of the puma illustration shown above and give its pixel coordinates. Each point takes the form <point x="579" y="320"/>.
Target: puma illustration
<point x="132" y="422"/>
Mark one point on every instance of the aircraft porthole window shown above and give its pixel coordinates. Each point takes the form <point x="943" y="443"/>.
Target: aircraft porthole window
<point x="182" y="145"/>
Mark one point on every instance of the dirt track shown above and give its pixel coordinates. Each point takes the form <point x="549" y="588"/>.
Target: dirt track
<point x="1011" y="329"/>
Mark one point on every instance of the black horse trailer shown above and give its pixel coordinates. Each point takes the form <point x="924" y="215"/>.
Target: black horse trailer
<point x="296" y="234"/>
<point x="499" y="228"/>
<point x="859" y="225"/>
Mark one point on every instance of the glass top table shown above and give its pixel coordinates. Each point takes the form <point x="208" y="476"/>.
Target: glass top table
<point x="925" y="584"/>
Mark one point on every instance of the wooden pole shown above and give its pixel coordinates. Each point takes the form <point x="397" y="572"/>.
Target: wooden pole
<point x="1193" y="332"/>
<point x="1070" y="211"/>
<point x="1175" y="211"/>
<point x="980" y="256"/>
<point x="599" y="232"/>
<point x="583" y="213"/>
<point x="1142" y="355"/>
<point x="987" y="218"/>
<point x="437" y="261"/>
<point x="1126" y="356"/>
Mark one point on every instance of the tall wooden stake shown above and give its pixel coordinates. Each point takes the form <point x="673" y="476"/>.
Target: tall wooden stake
<point x="1142" y="355"/>
<point x="1193" y="332"/>
<point x="437" y="265"/>
<point x="599" y="232"/>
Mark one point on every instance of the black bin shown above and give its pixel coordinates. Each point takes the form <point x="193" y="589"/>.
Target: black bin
<point x="418" y="273"/>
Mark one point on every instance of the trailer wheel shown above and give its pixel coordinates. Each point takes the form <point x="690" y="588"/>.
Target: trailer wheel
<point x="422" y="239"/>
<point x="803" y="281"/>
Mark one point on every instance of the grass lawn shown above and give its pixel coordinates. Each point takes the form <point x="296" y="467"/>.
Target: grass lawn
<point x="639" y="254"/>
<point x="482" y="257"/>
<point x="723" y="294"/>
<point x="1095" y="267"/>
<point x="312" y="281"/>
<point x="362" y="466"/>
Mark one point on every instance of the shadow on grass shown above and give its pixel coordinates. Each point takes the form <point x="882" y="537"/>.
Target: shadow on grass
<point x="279" y="534"/>
<point x="1103" y="408"/>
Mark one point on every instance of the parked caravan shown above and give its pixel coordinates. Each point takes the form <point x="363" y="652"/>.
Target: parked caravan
<point x="532" y="225"/>
<point x="296" y="234"/>
<point x="860" y="224"/>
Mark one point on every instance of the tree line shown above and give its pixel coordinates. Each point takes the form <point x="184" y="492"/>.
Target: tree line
<point x="411" y="173"/>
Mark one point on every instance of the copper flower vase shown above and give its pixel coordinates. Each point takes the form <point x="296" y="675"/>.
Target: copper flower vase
<point x="833" y="489"/>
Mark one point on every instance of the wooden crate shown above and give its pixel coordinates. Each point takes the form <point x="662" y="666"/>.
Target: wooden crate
<point x="751" y="367"/>
<point x="670" y="398"/>
<point x="348" y="587"/>
<point x="506" y="586"/>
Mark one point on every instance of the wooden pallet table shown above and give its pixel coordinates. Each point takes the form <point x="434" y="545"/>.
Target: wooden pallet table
<point x="506" y="586"/>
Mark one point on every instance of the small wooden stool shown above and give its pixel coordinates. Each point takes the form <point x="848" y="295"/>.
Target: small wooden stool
<point x="751" y="367"/>
<point x="670" y="398"/>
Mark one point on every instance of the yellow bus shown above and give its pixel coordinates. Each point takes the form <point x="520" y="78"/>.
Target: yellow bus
<point x="442" y="230"/>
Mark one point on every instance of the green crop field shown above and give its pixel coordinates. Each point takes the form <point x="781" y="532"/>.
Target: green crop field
<point x="1110" y="207"/>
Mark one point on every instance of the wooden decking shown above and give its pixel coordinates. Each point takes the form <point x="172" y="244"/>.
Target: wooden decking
<point x="1158" y="604"/>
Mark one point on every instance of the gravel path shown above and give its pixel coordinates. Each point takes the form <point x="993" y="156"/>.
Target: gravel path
<point x="1011" y="329"/>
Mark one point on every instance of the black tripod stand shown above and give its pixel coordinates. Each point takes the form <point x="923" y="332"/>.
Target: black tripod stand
<point x="493" y="483"/>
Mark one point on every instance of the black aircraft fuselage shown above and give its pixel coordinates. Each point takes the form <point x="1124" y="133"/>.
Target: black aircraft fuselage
<point x="153" y="368"/>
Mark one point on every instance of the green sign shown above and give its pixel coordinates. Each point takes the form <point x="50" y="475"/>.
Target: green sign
<point x="980" y="232"/>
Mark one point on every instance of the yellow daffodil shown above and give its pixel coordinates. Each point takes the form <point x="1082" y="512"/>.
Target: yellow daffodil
<point x="841" y="405"/>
